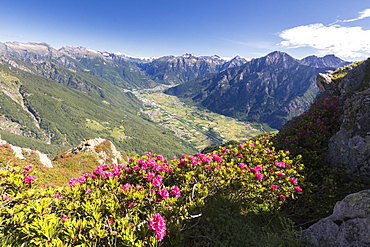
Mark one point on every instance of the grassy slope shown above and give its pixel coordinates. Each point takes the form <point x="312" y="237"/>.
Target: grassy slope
<point x="64" y="112"/>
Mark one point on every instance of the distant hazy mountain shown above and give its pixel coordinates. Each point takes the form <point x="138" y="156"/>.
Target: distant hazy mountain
<point x="270" y="90"/>
<point x="324" y="62"/>
<point x="118" y="69"/>
<point x="179" y="69"/>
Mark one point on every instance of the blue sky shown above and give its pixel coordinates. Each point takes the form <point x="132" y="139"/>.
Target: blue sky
<point x="145" y="28"/>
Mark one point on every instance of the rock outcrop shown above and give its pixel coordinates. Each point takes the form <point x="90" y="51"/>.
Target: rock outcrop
<point x="348" y="226"/>
<point x="351" y="145"/>
<point x="22" y="152"/>
<point x="104" y="151"/>
<point x="324" y="81"/>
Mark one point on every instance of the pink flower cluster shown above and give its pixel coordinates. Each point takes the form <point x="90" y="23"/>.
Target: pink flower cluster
<point x="158" y="224"/>
<point x="29" y="179"/>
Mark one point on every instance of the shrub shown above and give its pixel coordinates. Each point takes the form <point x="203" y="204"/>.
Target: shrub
<point x="308" y="135"/>
<point x="149" y="201"/>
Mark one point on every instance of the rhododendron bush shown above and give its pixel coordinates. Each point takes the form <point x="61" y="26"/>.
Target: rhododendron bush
<point x="149" y="201"/>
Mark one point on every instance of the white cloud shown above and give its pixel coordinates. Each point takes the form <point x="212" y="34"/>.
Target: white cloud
<point x="349" y="42"/>
<point x="343" y="41"/>
<point x="363" y="14"/>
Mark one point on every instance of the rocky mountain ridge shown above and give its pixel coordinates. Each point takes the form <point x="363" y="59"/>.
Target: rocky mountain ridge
<point x="119" y="69"/>
<point x="128" y="72"/>
<point x="269" y="90"/>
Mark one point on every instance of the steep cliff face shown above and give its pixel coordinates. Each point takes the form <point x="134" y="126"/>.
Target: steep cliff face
<point x="351" y="145"/>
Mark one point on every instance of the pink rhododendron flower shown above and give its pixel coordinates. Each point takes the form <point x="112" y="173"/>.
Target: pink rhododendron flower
<point x="293" y="180"/>
<point x="251" y="144"/>
<point x="65" y="217"/>
<point x="57" y="195"/>
<point x="200" y="155"/>
<point x="241" y="165"/>
<point x="280" y="164"/>
<point x="110" y="220"/>
<point x="5" y="197"/>
<point x="206" y="159"/>
<point x="257" y="168"/>
<point x="175" y="191"/>
<point x="217" y="158"/>
<point x="169" y="170"/>
<point x="29" y="179"/>
<point x="299" y="189"/>
<point x="163" y="193"/>
<point x="88" y="191"/>
<point x="28" y="167"/>
<point x="131" y="204"/>
<point x="158" y="224"/>
<point x="274" y="187"/>
<point x="150" y="176"/>
<point x="280" y="174"/>
<point x="81" y="179"/>
<point x="98" y="170"/>
<point x="108" y="174"/>
<point x="282" y="197"/>
<point x="72" y="182"/>
<point x="116" y="171"/>
<point x="259" y="176"/>
<point x="157" y="181"/>
<point x="126" y="187"/>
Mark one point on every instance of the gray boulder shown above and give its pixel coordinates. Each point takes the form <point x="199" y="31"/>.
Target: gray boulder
<point x="348" y="226"/>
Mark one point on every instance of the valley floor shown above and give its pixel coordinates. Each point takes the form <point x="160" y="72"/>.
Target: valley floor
<point x="198" y="126"/>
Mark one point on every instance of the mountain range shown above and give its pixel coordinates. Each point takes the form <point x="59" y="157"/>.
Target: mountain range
<point x="51" y="98"/>
<point x="269" y="90"/>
